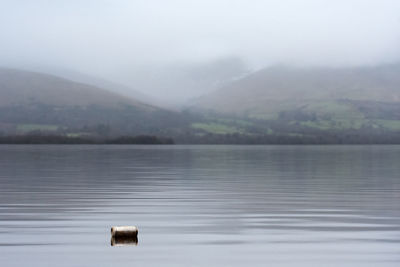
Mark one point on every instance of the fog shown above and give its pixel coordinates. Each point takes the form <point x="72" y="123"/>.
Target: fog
<point x="160" y="47"/>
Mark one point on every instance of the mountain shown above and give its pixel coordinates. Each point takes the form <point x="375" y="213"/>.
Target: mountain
<point x="322" y="98"/>
<point x="36" y="101"/>
<point x="175" y="83"/>
<point x="19" y="88"/>
<point x="278" y="105"/>
<point x="80" y="77"/>
<point x="166" y="85"/>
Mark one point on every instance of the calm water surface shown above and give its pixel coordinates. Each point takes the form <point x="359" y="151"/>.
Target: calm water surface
<point x="200" y="205"/>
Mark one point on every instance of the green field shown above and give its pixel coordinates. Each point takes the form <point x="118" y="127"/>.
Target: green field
<point x="336" y="124"/>
<point x="25" y="128"/>
<point x="389" y="124"/>
<point x="82" y="134"/>
<point x="216" y="128"/>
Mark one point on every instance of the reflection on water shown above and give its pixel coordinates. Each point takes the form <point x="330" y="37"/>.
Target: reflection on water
<point x="124" y="241"/>
<point x="201" y="205"/>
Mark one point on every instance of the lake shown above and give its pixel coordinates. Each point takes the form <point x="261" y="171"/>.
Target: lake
<point x="200" y="205"/>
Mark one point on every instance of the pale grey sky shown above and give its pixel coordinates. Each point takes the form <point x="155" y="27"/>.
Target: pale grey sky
<point x="113" y="38"/>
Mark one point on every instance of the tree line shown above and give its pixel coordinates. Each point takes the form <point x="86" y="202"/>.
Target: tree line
<point x="62" y="139"/>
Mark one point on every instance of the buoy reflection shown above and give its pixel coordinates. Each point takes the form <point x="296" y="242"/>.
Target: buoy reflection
<point x="124" y="241"/>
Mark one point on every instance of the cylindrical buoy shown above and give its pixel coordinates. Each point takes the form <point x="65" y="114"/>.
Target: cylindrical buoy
<point x="124" y="231"/>
<point x="124" y="235"/>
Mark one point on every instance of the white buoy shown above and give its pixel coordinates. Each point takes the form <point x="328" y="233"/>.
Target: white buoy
<point x="124" y="231"/>
<point x="124" y="235"/>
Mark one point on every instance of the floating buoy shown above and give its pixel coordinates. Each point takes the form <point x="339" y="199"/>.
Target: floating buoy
<point x="120" y="231"/>
<point x="124" y="235"/>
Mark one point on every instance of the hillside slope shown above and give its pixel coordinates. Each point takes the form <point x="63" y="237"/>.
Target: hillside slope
<point x="324" y="98"/>
<point x="34" y="101"/>
<point x="272" y="88"/>
<point x="23" y="88"/>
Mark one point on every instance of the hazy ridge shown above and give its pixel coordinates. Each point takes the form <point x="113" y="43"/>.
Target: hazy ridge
<point x="31" y="101"/>
<point x="320" y="98"/>
<point x="274" y="105"/>
<point x="19" y="87"/>
<point x="279" y="88"/>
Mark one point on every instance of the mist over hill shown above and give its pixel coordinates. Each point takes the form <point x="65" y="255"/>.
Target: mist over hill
<point x="278" y="88"/>
<point x="99" y="82"/>
<point x="177" y="83"/>
<point x="274" y="105"/>
<point x="21" y="88"/>
<point x="31" y="101"/>
<point x="324" y="98"/>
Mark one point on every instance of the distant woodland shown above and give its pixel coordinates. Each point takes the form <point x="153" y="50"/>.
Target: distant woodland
<point x="59" y="139"/>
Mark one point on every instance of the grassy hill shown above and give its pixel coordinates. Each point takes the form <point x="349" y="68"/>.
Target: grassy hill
<point x="273" y="106"/>
<point x="317" y="98"/>
<point x="32" y="101"/>
<point x="26" y="88"/>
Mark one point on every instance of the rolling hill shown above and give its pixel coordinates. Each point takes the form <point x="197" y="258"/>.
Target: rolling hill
<point x="278" y="105"/>
<point x="19" y="88"/>
<point x="320" y="98"/>
<point x="32" y="101"/>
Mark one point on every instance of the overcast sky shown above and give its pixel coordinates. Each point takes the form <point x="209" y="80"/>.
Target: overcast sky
<point x="107" y="37"/>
